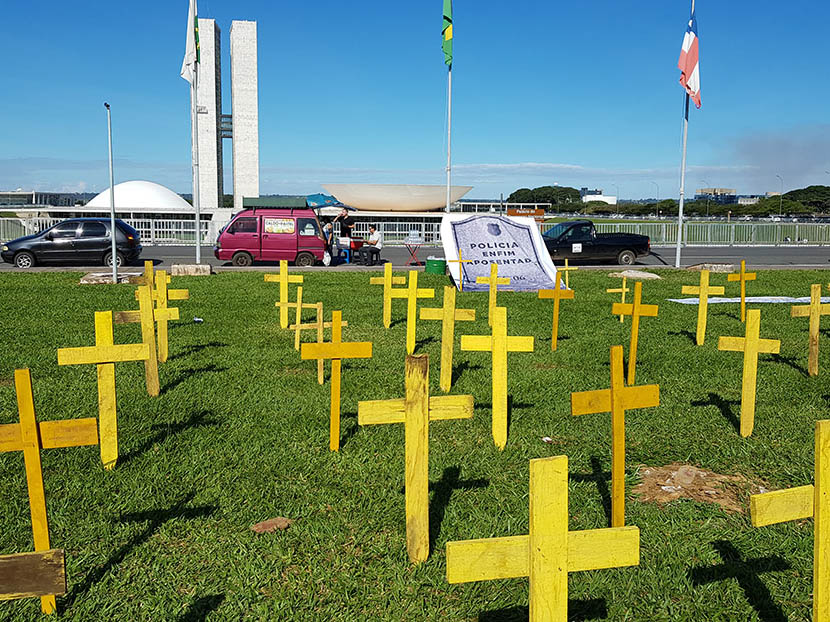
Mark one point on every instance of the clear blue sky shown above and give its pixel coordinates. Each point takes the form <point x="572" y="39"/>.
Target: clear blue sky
<point x="575" y="93"/>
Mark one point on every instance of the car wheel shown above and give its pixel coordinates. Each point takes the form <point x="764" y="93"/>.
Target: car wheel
<point x="242" y="259"/>
<point x="119" y="259"/>
<point x="304" y="260"/>
<point x="626" y="258"/>
<point x="24" y="259"/>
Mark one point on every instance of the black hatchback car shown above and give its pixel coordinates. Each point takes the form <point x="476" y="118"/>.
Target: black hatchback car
<point x="77" y="240"/>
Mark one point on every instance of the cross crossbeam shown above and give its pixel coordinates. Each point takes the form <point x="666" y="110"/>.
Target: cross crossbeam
<point x="411" y="295"/>
<point x="702" y="291"/>
<point x="557" y="295"/>
<point x="299" y="305"/>
<point x="814" y="311"/>
<point x="636" y="310"/>
<point x="743" y="276"/>
<point x="622" y="290"/>
<point x="387" y="280"/>
<point x="493" y="281"/>
<point x="448" y="315"/>
<point x="460" y="261"/>
<point x="283" y="278"/>
<point x="319" y="325"/>
<point x="161" y="315"/>
<point x="567" y="270"/>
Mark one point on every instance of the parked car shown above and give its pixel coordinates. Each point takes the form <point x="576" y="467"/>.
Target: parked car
<point x="271" y="234"/>
<point x="578" y="239"/>
<point x="77" y="240"/>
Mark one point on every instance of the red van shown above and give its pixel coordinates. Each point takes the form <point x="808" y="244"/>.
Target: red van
<point x="271" y="234"/>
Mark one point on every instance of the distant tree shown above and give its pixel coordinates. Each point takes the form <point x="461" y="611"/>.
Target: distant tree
<point x="555" y="195"/>
<point x="599" y="208"/>
<point x="522" y="195"/>
<point x="815" y="197"/>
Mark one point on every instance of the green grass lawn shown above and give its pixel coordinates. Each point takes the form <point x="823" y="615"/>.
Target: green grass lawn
<point x="240" y="434"/>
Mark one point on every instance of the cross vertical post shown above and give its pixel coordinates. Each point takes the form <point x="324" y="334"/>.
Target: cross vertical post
<point x="703" y="291"/>
<point x="567" y="270"/>
<point x="411" y="294"/>
<point x="636" y="310"/>
<point x="283" y="278"/>
<point x="163" y="313"/>
<point x="387" y="280"/>
<point x="493" y="281"/>
<point x="743" y="276"/>
<point x="814" y="311"/>
<point x="460" y="261"/>
<point x="448" y="315"/>
<point x="148" y="336"/>
<point x="557" y="295"/>
<point x="622" y="291"/>
<point x="319" y="325"/>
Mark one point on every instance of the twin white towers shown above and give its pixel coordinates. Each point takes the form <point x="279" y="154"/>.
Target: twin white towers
<point x="241" y="126"/>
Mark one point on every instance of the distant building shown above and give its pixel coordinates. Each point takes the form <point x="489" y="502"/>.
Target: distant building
<point x="772" y="194"/>
<point x="587" y="198"/>
<point x="723" y="196"/>
<point x="20" y="198"/>
<point x="583" y="192"/>
<point x="748" y="200"/>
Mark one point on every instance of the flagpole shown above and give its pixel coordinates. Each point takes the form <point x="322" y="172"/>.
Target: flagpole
<point x="194" y="115"/>
<point x="682" y="182"/>
<point x="449" y="133"/>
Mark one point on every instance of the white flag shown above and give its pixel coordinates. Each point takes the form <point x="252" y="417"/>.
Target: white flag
<point x="191" y="50"/>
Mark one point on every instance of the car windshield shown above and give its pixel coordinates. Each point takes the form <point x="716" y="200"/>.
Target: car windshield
<point x="555" y="231"/>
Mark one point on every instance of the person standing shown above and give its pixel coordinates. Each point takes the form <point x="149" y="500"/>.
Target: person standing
<point x="370" y="251"/>
<point x="346" y="223"/>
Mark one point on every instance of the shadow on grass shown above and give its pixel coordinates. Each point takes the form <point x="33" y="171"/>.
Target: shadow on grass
<point x="745" y="572"/>
<point x="724" y="406"/>
<point x="421" y="343"/>
<point x="684" y="333"/>
<point x="346" y="433"/>
<point x="460" y="368"/>
<point x="734" y="316"/>
<point x="184" y="374"/>
<point x="195" y="348"/>
<point x="201" y="607"/>
<point x="155" y="519"/>
<point x="400" y="320"/>
<point x="789" y="361"/>
<point x="442" y="491"/>
<point x="558" y="338"/>
<point x="166" y="430"/>
<point x="578" y="610"/>
<point x="600" y="478"/>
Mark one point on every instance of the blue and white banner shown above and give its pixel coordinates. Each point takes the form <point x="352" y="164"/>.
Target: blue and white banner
<point x="514" y="243"/>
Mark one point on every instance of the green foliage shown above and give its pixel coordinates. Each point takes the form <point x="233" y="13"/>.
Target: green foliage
<point x="815" y="197"/>
<point x="555" y="195"/>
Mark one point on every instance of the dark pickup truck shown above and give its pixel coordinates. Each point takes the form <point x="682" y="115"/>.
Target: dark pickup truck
<point x="578" y="239"/>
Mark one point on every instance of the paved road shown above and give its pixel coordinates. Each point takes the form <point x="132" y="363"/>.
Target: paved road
<point x="814" y="256"/>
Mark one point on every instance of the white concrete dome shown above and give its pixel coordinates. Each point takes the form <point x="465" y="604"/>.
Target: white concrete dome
<point x="141" y="195"/>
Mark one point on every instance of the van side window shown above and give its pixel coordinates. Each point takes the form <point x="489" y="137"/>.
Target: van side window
<point x="308" y="226"/>
<point x="243" y="225"/>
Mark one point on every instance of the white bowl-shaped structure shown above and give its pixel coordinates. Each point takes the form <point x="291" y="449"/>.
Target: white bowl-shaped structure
<point x="395" y="197"/>
<point x="143" y="196"/>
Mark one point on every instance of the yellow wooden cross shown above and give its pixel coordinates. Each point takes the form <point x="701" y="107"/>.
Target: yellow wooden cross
<point x="411" y="294"/>
<point x="161" y="296"/>
<point x="557" y="295"/>
<point x="493" y="281"/>
<point x="104" y="354"/>
<point x="703" y="291"/>
<point x="622" y="291"/>
<point x="448" y="315"/>
<point x="148" y="278"/>
<point x="636" y="310"/>
<point x="415" y="411"/>
<point x="814" y="311"/>
<point x="283" y="278"/>
<point x="743" y="276"/>
<point x="298" y="304"/>
<point x="145" y="316"/>
<point x="751" y="345"/>
<point x="40" y="573"/>
<point x="549" y="552"/>
<point x="616" y="400"/>
<point x="336" y="350"/>
<point x="161" y="314"/>
<point x="460" y="261"/>
<point x="319" y="325"/>
<point x="499" y="344"/>
<point x="31" y="437"/>
<point x="387" y="280"/>
<point x="802" y="503"/>
<point x="567" y="270"/>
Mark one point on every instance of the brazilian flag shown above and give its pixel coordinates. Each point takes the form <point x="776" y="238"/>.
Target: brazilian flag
<point x="446" y="33"/>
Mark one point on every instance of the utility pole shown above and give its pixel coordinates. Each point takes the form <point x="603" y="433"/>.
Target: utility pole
<point x="113" y="252"/>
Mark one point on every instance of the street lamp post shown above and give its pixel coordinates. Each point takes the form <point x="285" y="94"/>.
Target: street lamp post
<point x="706" y="186"/>
<point x="781" y="197"/>
<point x="113" y="252"/>
<point x="658" y="198"/>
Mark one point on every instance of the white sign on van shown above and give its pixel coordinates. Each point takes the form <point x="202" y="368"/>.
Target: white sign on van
<point x="278" y="225"/>
<point x="576" y="247"/>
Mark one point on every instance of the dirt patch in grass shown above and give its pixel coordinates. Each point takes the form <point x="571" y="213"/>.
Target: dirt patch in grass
<point x="684" y="481"/>
<point x="6" y="382"/>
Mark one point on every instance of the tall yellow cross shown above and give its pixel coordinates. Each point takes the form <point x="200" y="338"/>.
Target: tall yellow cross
<point x="567" y="270"/>
<point x="415" y="411"/>
<point x="557" y="295"/>
<point x="616" y="400"/>
<point x="751" y="345"/>
<point x="336" y="350"/>
<point x="549" y="552"/>
<point x="319" y="325"/>
<point x="411" y="295"/>
<point x="31" y="437"/>
<point x="148" y="278"/>
<point x="814" y="311"/>
<point x="802" y="503"/>
<point x="703" y="291"/>
<point x="622" y="291"/>
<point x="161" y="295"/>
<point x="161" y="315"/>
<point x="104" y="354"/>
<point x="145" y="316"/>
<point x="283" y="278"/>
<point x="636" y="310"/>
<point x="743" y="276"/>
<point x="298" y="305"/>
<point x="499" y="344"/>
<point x="460" y="261"/>
<point x="387" y="280"/>
<point x="448" y="315"/>
<point x="493" y="281"/>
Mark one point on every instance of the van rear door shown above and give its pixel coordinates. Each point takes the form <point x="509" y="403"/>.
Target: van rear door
<point x="279" y="238"/>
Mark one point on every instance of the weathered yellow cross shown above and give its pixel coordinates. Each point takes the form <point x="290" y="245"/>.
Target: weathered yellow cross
<point x="557" y="295"/>
<point x="319" y="325"/>
<point x="148" y="278"/>
<point x="460" y="261"/>
<point x="567" y="270"/>
<point x="145" y="316"/>
<point x="415" y="411"/>
<point x="161" y="296"/>
<point x="493" y="281"/>
<point x="703" y="291"/>
<point x="387" y="280"/>
<point x="161" y="315"/>
<point x="411" y="294"/>
<point x="636" y="310"/>
<point x="616" y="400"/>
<point x="622" y="291"/>
<point x="499" y="344"/>
<point x="336" y="350"/>
<point x="31" y="437"/>
<point x="743" y="276"/>
<point x="549" y="552"/>
<point x="104" y="354"/>
<point x="26" y="575"/>
<point x="814" y="311"/>
<point x="802" y="503"/>
<point x="283" y="278"/>
<point x="751" y="345"/>
<point x="448" y="315"/>
<point x="299" y="305"/>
